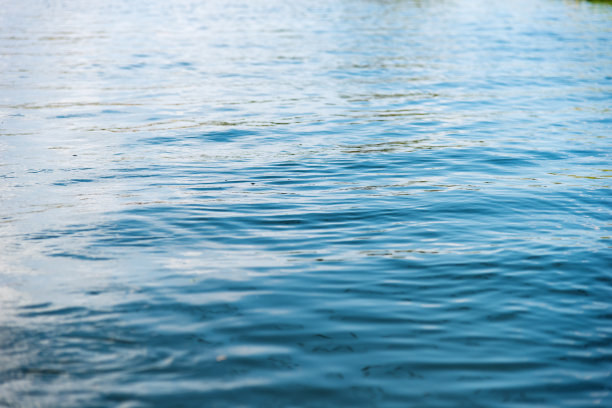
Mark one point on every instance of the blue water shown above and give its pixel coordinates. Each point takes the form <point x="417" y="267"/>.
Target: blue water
<point x="305" y="204"/>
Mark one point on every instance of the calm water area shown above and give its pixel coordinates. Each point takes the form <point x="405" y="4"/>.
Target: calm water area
<point x="323" y="203"/>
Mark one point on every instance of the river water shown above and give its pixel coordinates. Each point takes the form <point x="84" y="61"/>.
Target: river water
<point x="305" y="204"/>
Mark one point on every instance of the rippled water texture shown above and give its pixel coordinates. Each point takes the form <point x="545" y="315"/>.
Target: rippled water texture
<point x="305" y="204"/>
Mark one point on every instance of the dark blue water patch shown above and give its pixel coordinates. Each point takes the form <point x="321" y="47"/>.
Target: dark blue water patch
<point x="131" y="232"/>
<point x="81" y="257"/>
<point x="162" y="140"/>
<point x="65" y="311"/>
<point x="73" y="181"/>
<point x="37" y="305"/>
<point x="76" y="115"/>
<point x="603" y="120"/>
<point x="131" y="67"/>
<point x="230" y="135"/>
<point x="181" y="64"/>
<point x="225" y="136"/>
<point x="75" y="229"/>
<point x="112" y="112"/>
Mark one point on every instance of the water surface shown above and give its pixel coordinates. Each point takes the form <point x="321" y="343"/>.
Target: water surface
<point x="309" y="203"/>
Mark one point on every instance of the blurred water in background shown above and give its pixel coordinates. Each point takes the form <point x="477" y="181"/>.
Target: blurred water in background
<point x="309" y="203"/>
